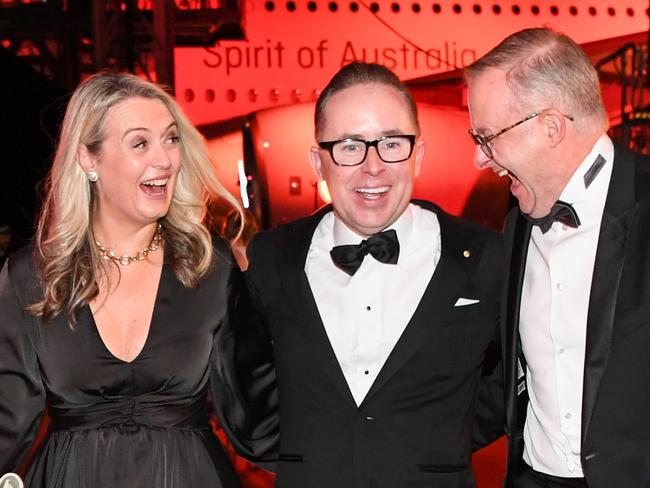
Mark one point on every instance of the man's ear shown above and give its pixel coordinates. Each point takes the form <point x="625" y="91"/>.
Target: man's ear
<point x="554" y="126"/>
<point x="87" y="161"/>
<point x="420" y="149"/>
<point x="315" y="161"/>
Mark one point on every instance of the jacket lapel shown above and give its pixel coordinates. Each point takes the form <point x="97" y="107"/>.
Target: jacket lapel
<point x="618" y="214"/>
<point x="452" y="271"/>
<point x="518" y="240"/>
<point x="294" y="278"/>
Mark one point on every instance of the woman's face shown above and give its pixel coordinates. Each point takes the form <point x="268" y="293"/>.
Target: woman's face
<point x="138" y="162"/>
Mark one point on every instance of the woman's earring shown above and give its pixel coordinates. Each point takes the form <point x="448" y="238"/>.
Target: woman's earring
<point x="92" y="176"/>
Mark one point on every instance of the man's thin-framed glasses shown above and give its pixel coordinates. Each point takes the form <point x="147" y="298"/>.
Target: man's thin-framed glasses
<point x="483" y="141"/>
<point x="352" y="152"/>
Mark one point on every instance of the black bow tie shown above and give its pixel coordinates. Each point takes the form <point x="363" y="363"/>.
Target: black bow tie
<point x="384" y="247"/>
<point x="561" y="212"/>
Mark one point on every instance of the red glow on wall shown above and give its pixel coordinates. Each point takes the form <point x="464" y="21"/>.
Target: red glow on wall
<point x="292" y="49"/>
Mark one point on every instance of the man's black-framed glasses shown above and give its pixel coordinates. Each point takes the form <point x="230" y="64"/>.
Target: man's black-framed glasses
<point x="483" y="141"/>
<point x="352" y="152"/>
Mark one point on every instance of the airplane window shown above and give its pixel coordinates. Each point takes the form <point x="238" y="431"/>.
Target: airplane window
<point x="611" y="11"/>
<point x="311" y="6"/>
<point x="333" y="6"/>
<point x="554" y="10"/>
<point x="496" y="9"/>
<point x="374" y="7"/>
<point x="436" y="8"/>
<point x="535" y="10"/>
<point x="270" y="6"/>
<point x="354" y="6"/>
<point x="477" y="8"/>
<point x="592" y="11"/>
<point x="630" y="12"/>
<point x="573" y="10"/>
<point x="416" y="8"/>
<point x="457" y="8"/>
<point x="291" y="6"/>
<point x="516" y="10"/>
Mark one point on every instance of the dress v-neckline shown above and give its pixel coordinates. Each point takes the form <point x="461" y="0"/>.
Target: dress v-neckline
<point x="152" y="321"/>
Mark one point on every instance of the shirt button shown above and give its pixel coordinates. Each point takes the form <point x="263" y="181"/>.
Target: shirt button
<point x="366" y="372"/>
<point x="560" y="350"/>
<point x="564" y="227"/>
<point x="368" y="307"/>
<point x="559" y="286"/>
<point x="567" y="416"/>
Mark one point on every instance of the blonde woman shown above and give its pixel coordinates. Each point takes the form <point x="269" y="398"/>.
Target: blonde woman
<point x="125" y="312"/>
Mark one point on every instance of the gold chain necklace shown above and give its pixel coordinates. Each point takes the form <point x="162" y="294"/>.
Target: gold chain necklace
<point x="141" y="255"/>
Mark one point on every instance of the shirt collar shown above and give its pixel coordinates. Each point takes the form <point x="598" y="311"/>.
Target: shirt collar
<point x="575" y="190"/>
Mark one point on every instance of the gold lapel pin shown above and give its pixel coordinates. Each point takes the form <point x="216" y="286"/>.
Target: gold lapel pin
<point x="467" y="253"/>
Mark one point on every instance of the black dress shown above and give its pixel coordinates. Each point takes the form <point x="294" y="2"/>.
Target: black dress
<point x="131" y="424"/>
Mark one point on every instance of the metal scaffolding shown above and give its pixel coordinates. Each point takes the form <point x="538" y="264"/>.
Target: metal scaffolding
<point x="66" y="40"/>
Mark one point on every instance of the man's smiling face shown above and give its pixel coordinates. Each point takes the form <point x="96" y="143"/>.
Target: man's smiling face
<point x="368" y="197"/>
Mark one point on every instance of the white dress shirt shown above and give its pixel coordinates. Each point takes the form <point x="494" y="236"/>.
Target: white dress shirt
<point x="553" y="322"/>
<point x="365" y="314"/>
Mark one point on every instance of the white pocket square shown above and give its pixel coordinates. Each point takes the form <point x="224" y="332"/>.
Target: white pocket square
<point x="461" y="302"/>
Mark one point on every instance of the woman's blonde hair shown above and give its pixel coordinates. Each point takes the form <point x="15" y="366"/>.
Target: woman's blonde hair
<point x="66" y="256"/>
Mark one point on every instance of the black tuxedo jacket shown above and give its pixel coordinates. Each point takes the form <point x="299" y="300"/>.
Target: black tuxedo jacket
<point x="414" y="427"/>
<point x="616" y="392"/>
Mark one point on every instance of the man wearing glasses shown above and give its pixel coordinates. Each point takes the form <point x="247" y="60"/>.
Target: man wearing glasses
<point x="576" y="314"/>
<point x="381" y="310"/>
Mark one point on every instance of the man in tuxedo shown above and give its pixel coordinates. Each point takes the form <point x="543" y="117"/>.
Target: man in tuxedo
<point x="381" y="310"/>
<point x="576" y="317"/>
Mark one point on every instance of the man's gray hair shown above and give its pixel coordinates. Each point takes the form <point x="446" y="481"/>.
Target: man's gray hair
<point x="543" y="66"/>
